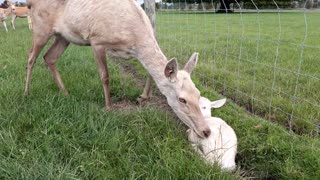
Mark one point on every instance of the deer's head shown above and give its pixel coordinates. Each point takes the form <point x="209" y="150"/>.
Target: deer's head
<point x="183" y="96"/>
<point x="12" y="6"/>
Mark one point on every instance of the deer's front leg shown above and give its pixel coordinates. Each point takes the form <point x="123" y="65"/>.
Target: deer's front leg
<point x="29" y="22"/>
<point x="13" y="18"/>
<point x="100" y="57"/>
<point x="146" y="91"/>
<point x="38" y="42"/>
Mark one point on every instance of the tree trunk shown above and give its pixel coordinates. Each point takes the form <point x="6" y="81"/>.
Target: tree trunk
<point x="225" y="6"/>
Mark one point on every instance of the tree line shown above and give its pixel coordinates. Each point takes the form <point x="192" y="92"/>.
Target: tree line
<point x="247" y="4"/>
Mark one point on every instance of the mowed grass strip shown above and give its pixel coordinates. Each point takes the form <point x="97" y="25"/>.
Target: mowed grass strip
<point x="47" y="135"/>
<point x="266" y="62"/>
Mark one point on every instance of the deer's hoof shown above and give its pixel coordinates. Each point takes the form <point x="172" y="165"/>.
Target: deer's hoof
<point x="65" y="93"/>
<point x="26" y="93"/>
<point x="141" y="100"/>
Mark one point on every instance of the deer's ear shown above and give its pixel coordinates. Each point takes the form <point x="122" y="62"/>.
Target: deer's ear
<point x="219" y="103"/>
<point x="171" y="69"/>
<point x="191" y="64"/>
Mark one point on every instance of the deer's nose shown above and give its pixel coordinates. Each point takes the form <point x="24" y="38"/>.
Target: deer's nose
<point x="206" y="133"/>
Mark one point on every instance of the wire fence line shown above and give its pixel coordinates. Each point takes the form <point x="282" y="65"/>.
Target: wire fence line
<point x="264" y="59"/>
<point x="249" y="5"/>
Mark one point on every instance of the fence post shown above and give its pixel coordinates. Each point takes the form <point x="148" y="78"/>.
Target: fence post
<point x="150" y="9"/>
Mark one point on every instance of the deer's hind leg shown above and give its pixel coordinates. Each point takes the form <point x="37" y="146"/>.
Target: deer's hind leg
<point x="146" y="91"/>
<point x="99" y="52"/>
<point x="51" y="57"/>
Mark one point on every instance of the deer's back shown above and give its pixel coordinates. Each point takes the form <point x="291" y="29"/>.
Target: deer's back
<point x="117" y="24"/>
<point x="21" y="11"/>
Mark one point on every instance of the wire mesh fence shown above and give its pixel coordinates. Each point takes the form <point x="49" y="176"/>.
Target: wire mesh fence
<point x="264" y="55"/>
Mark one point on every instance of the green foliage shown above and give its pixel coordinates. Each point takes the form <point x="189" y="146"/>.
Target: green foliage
<point x="248" y="4"/>
<point x="246" y="63"/>
<point x="49" y="136"/>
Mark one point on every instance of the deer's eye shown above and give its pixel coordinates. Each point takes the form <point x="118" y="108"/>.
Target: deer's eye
<point x="182" y="100"/>
<point x="204" y="108"/>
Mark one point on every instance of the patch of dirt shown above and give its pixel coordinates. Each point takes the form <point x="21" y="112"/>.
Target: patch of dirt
<point x="124" y="104"/>
<point x="156" y="99"/>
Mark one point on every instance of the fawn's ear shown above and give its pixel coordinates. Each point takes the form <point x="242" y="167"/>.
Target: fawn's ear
<point x="219" y="103"/>
<point x="191" y="64"/>
<point x="171" y="69"/>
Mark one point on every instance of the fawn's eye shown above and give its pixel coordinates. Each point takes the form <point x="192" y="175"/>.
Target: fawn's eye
<point x="182" y="100"/>
<point x="204" y="108"/>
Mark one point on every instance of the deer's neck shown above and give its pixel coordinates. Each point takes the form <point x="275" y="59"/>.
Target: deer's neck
<point x="154" y="61"/>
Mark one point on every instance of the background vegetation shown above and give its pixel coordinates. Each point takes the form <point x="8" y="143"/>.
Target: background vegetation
<point x="49" y="136"/>
<point x="266" y="62"/>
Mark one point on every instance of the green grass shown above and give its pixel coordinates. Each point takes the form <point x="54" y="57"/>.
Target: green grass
<point x="49" y="136"/>
<point x="267" y="62"/>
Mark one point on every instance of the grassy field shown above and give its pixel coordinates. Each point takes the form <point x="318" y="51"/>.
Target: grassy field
<point x="49" y="136"/>
<point x="267" y="62"/>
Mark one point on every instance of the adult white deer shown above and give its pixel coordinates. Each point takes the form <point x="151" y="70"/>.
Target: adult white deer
<point x="121" y="27"/>
<point x="21" y="12"/>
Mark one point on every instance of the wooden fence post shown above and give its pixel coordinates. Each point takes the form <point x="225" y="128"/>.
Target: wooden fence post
<point x="150" y="9"/>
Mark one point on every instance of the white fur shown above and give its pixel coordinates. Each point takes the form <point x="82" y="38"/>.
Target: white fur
<point x="206" y="105"/>
<point x="221" y="146"/>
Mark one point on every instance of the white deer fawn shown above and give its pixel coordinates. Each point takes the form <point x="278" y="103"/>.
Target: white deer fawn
<point x="221" y="146"/>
